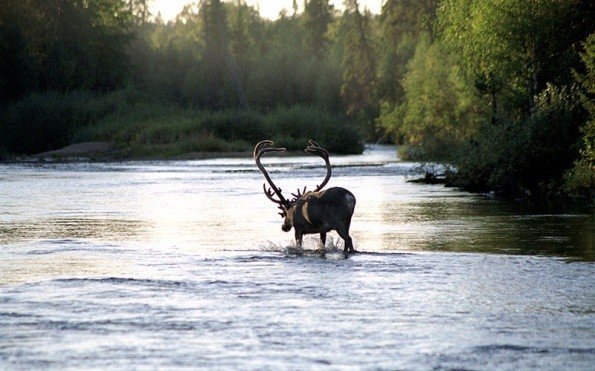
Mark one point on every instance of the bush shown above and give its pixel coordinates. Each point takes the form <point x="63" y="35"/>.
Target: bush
<point x="580" y="180"/>
<point x="41" y="122"/>
<point x="294" y="126"/>
<point x="526" y="158"/>
<point x="153" y="129"/>
<point x="233" y="125"/>
<point x="142" y="126"/>
<point x="50" y="120"/>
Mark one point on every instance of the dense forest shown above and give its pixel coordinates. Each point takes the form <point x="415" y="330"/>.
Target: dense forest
<point x="501" y="89"/>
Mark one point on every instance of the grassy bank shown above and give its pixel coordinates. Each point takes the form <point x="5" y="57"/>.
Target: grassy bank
<point x="143" y="127"/>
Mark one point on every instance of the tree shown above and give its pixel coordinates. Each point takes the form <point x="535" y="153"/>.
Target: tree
<point x="581" y="179"/>
<point x="17" y="70"/>
<point x="401" y="23"/>
<point x="246" y="32"/>
<point x="514" y="48"/>
<point x="139" y="9"/>
<point x="317" y="16"/>
<point x="70" y="44"/>
<point x="215" y="38"/>
<point x="440" y="109"/>
<point x="359" y="64"/>
<point x="520" y="55"/>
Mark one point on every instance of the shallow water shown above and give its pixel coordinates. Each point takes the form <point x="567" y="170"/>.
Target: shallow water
<point x="184" y="264"/>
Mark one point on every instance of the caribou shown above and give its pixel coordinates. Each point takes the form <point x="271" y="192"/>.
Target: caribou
<point x="309" y="212"/>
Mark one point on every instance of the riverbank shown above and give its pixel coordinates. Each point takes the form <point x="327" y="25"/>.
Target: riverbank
<point x="137" y="127"/>
<point x="107" y="152"/>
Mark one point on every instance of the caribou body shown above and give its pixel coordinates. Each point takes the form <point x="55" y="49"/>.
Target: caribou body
<point x="318" y="211"/>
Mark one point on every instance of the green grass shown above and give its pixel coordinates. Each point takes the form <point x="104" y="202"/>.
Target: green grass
<point x="143" y="127"/>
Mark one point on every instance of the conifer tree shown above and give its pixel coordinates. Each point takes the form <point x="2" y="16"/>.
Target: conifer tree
<point x="215" y="36"/>
<point x="359" y="64"/>
<point x="318" y="14"/>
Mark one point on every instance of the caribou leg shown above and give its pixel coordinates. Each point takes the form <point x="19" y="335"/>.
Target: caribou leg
<point x="298" y="239"/>
<point x="344" y="234"/>
<point x="322" y="249"/>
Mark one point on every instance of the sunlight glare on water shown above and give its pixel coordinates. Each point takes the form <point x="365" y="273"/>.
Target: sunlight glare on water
<point x="183" y="264"/>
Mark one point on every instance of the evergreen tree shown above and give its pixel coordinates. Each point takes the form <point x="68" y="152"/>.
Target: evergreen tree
<point x="401" y="23"/>
<point x="69" y="44"/>
<point x="240" y="46"/>
<point x="17" y="70"/>
<point x="139" y="9"/>
<point x="359" y="64"/>
<point x="317" y="16"/>
<point x="215" y="37"/>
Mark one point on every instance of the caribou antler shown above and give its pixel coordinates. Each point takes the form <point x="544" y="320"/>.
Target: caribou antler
<point x="269" y="193"/>
<point x="311" y="212"/>
<point x="299" y="193"/>
<point x="315" y="149"/>
<point x="260" y="149"/>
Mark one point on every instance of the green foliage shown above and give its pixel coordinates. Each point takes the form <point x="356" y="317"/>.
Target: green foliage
<point x="215" y="36"/>
<point x="218" y="78"/>
<point x="15" y="65"/>
<point x="495" y="75"/>
<point x="41" y="122"/>
<point x="359" y="66"/>
<point x="520" y="56"/>
<point x="297" y="124"/>
<point x="263" y="64"/>
<point x="148" y="129"/>
<point x="514" y="48"/>
<point x="63" y="45"/>
<point x="318" y="14"/>
<point x="581" y="179"/>
<point x="401" y="23"/>
<point x="528" y="158"/>
<point x="440" y="108"/>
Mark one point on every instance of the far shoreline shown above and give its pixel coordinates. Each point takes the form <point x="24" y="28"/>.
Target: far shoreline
<point x="106" y="152"/>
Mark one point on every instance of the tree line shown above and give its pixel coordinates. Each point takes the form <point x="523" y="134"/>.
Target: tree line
<point x="214" y="55"/>
<point x="503" y="89"/>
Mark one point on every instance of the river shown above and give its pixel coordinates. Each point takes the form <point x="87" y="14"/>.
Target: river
<point x="183" y="264"/>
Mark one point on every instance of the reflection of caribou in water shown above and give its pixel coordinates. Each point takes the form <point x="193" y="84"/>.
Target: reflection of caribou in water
<point x="315" y="211"/>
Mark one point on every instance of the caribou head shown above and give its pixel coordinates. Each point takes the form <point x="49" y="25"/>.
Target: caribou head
<point x="307" y="212"/>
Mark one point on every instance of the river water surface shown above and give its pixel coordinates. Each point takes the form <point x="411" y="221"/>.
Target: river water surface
<point x="184" y="265"/>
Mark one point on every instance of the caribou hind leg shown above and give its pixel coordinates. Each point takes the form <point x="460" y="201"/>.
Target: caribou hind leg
<point x="344" y="234"/>
<point x="298" y="239"/>
<point x="332" y="208"/>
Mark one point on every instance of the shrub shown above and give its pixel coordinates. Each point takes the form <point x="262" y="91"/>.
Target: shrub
<point x="232" y="125"/>
<point x="41" y="122"/>
<point x="50" y="120"/>
<point x="294" y="126"/>
<point x="142" y="126"/>
<point x="580" y="180"/>
<point x="171" y="130"/>
<point x="525" y="158"/>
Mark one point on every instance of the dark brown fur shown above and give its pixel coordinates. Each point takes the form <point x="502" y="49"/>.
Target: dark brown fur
<point x="322" y="212"/>
<point x="311" y="212"/>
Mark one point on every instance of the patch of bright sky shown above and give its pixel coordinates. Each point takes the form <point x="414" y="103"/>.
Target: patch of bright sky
<point x="268" y="8"/>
